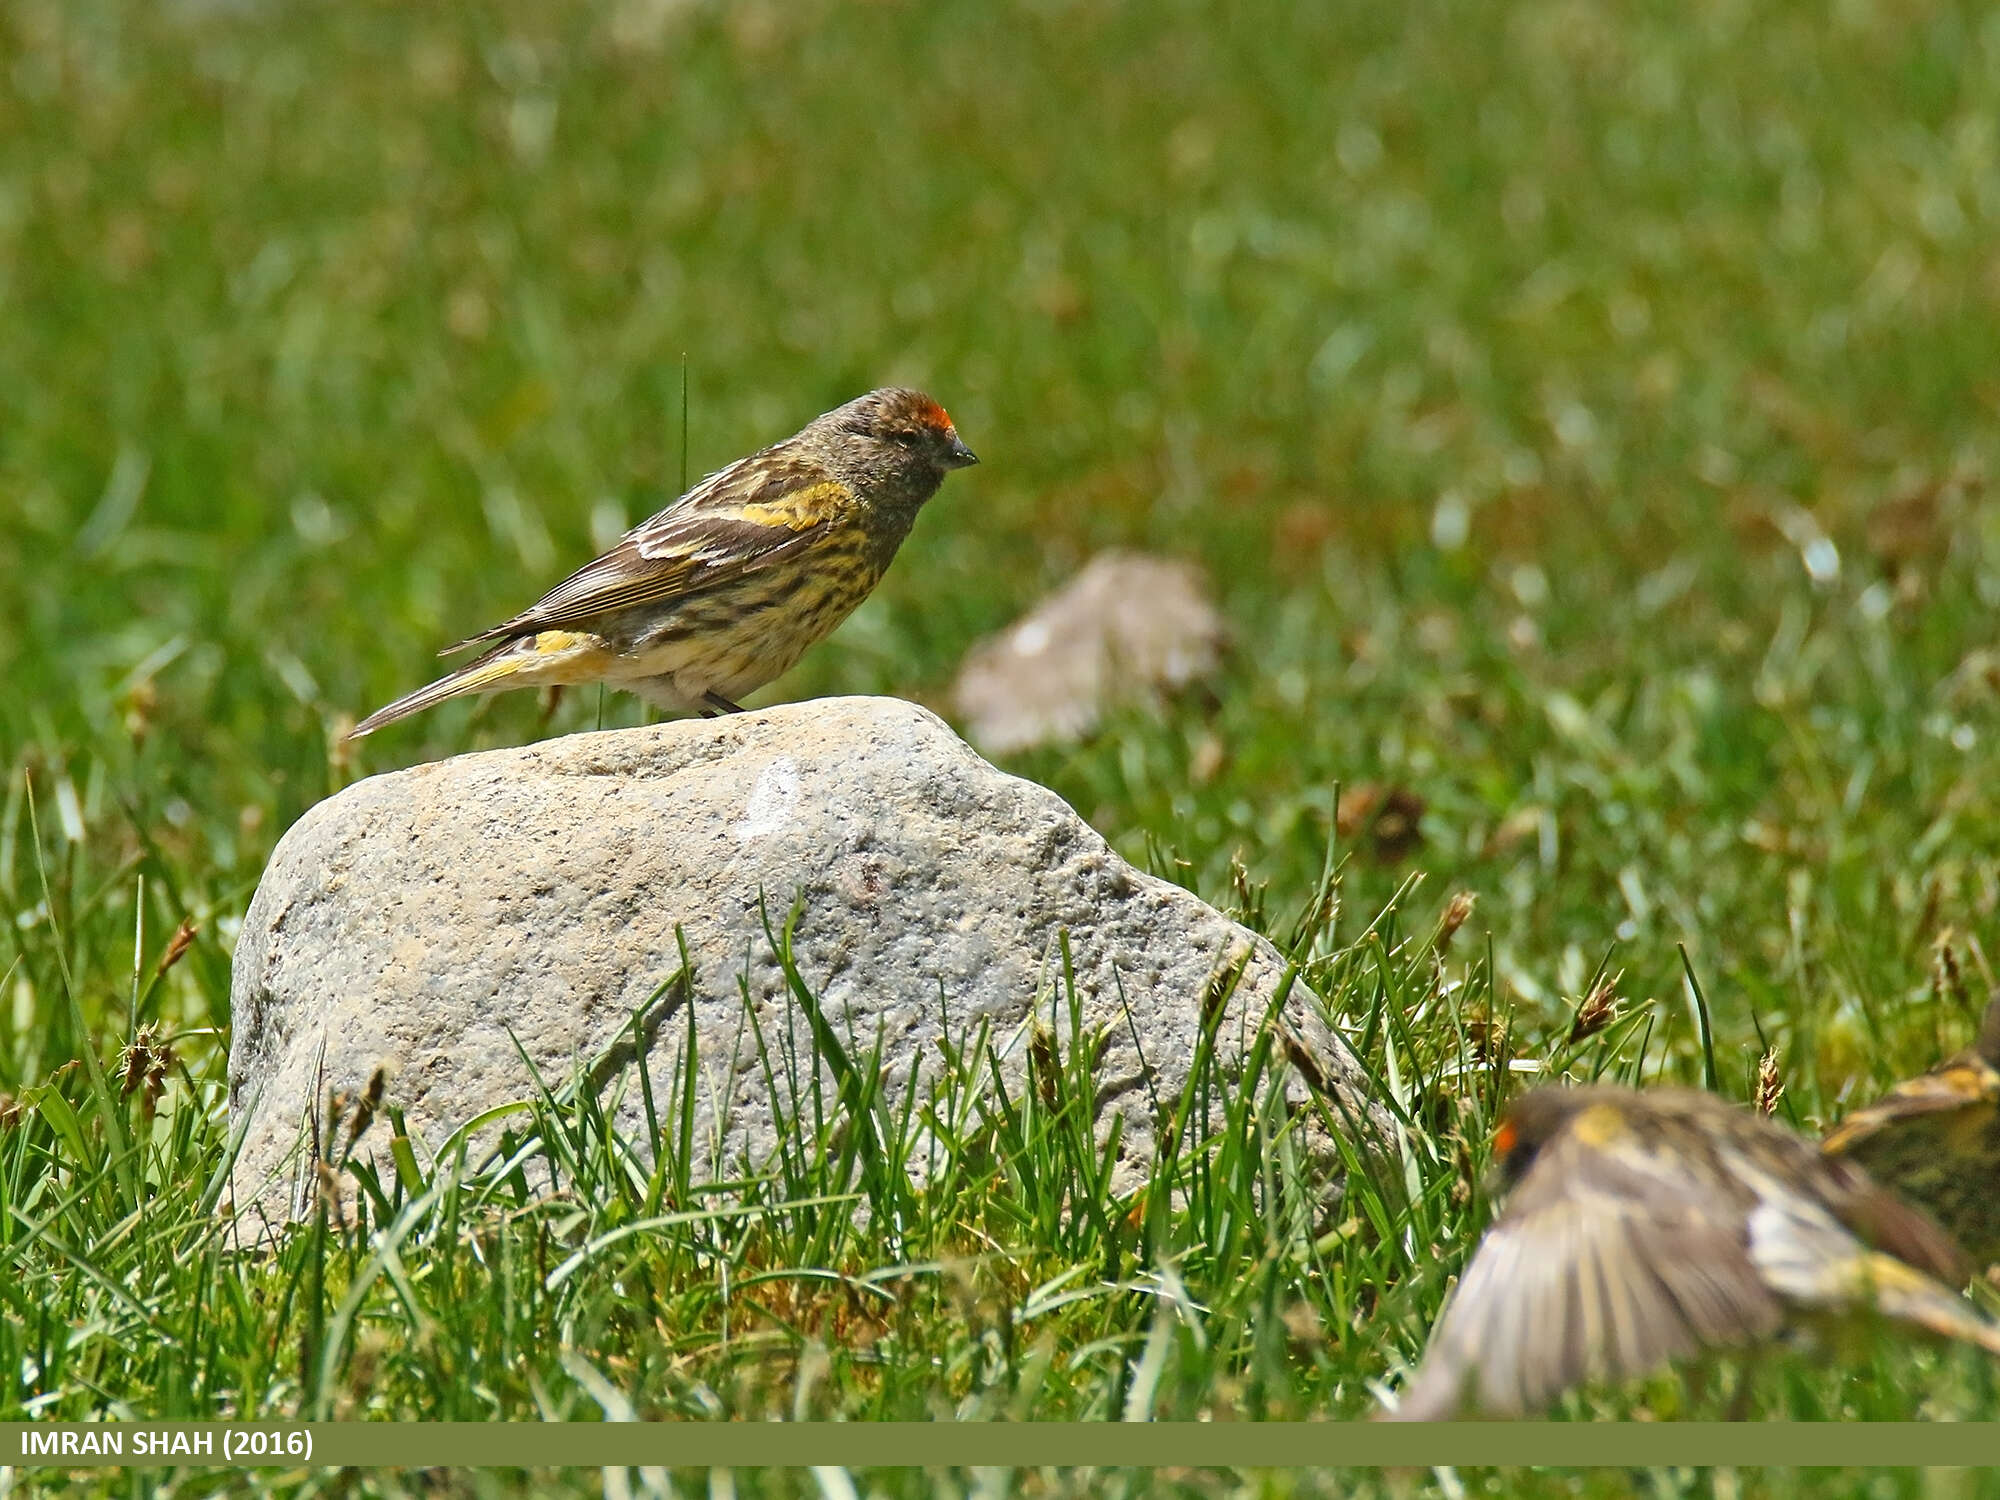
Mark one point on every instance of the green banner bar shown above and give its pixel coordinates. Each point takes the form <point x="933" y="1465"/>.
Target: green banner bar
<point x="1241" y="1445"/>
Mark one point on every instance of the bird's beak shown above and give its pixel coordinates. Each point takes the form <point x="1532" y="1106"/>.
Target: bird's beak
<point x="958" y="456"/>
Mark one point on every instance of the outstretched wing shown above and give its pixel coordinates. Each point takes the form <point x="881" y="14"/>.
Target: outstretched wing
<point x="1943" y="1179"/>
<point x="758" y="511"/>
<point x="1609" y="1261"/>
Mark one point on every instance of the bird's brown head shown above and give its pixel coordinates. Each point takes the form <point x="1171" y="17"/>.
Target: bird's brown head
<point x="903" y="431"/>
<point x="1530" y="1123"/>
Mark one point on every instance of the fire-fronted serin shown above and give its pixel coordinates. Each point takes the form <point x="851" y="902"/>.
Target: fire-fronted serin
<point x="726" y="588"/>
<point x="1936" y="1140"/>
<point x="1643" y="1227"/>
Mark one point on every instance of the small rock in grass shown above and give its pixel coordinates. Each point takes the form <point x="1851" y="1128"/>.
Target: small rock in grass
<point x="1128" y="629"/>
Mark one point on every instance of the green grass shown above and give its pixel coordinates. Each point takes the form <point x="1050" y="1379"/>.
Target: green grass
<point x="1587" y="414"/>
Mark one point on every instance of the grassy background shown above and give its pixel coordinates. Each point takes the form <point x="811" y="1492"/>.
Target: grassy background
<point x="1585" y="411"/>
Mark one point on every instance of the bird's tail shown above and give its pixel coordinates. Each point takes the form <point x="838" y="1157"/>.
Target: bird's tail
<point x="550" y="656"/>
<point x="1906" y="1294"/>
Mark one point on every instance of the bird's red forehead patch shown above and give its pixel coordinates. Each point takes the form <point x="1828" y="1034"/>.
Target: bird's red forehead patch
<point x="1505" y="1138"/>
<point x="932" y="415"/>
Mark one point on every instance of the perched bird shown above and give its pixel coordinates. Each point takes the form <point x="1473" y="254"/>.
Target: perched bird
<point x="726" y="588"/>
<point x="1936" y="1140"/>
<point x="1645" y="1226"/>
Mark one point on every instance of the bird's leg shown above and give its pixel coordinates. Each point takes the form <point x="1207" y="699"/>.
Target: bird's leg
<point x="552" y="697"/>
<point x="717" y="704"/>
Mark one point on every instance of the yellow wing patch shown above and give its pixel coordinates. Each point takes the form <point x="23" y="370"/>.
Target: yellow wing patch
<point x="801" y="508"/>
<point x="1601" y="1125"/>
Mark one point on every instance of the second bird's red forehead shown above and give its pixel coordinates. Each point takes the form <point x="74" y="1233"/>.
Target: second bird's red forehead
<point x="932" y="415"/>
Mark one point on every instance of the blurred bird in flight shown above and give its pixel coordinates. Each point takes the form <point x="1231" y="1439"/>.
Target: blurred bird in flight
<point x="1643" y="1227"/>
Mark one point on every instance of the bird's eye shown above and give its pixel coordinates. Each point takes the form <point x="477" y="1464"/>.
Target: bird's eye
<point x="904" y="436"/>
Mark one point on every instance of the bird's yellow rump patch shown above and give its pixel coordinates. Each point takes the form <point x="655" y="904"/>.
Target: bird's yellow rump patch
<point x="549" y="656"/>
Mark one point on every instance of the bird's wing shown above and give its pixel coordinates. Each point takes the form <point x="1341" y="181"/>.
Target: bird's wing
<point x="748" y="516"/>
<point x="1608" y="1261"/>
<point x="1966" y="1081"/>
<point x="1884" y="1221"/>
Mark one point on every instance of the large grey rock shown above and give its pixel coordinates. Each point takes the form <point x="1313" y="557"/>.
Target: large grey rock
<point x="417" y="918"/>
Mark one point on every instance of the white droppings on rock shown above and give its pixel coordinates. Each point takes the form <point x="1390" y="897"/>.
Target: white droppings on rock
<point x="773" y="800"/>
<point x="1032" y="639"/>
